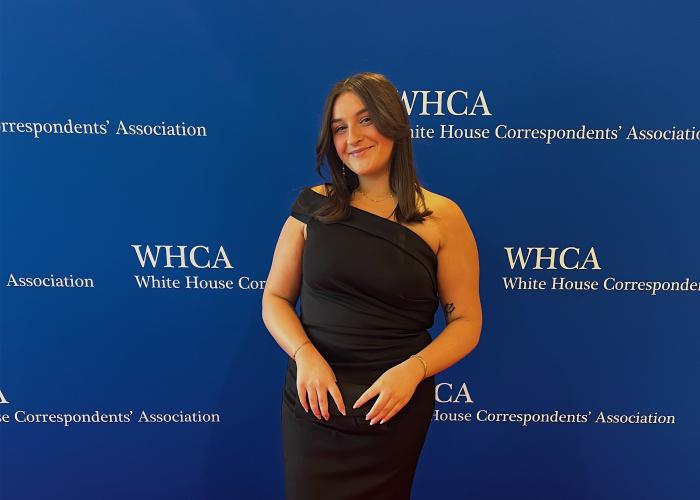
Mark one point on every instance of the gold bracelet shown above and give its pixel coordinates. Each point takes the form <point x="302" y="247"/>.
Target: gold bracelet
<point x="425" y="365"/>
<point x="302" y="345"/>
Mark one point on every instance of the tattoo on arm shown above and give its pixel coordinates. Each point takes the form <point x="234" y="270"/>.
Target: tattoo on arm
<point x="448" y="308"/>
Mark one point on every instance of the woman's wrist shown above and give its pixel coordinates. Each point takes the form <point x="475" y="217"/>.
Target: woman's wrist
<point x="420" y="367"/>
<point x="304" y="350"/>
<point x="296" y="351"/>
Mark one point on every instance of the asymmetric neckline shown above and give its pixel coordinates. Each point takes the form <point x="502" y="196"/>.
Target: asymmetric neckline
<point x="416" y="236"/>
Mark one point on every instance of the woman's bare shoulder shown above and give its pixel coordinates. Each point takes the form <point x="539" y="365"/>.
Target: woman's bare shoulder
<point x="437" y="202"/>
<point x="320" y="189"/>
<point x="441" y="205"/>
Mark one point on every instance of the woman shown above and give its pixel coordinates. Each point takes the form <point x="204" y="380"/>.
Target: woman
<point x="369" y="254"/>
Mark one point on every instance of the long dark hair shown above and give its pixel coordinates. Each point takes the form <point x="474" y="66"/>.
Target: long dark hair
<point x="389" y="115"/>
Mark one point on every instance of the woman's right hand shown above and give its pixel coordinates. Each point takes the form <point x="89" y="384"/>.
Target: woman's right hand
<point x="315" y="379"/>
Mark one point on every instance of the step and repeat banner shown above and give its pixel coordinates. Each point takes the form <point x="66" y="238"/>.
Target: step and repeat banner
<point x="150" y="153"/>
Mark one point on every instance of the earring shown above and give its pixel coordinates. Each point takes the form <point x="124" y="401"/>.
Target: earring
<point x="343" y="169"/>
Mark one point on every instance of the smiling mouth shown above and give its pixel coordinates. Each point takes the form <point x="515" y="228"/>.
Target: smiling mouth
<point x="360" y="151"/>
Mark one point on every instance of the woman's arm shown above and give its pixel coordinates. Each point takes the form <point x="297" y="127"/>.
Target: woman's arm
<point x="458" y="288"/>
<point x="315" y="377"/>
<point x="282" y="289"/>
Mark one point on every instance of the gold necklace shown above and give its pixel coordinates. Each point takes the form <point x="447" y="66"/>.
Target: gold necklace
<point x="391" y="195"/>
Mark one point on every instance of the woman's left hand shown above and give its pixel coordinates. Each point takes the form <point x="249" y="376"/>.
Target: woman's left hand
<point x="395" y="388"/>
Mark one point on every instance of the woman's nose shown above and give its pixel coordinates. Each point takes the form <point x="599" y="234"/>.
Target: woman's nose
<point x="354" y="135"/>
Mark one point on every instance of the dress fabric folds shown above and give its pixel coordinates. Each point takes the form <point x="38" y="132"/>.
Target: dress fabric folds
<point x="368" y="296"/>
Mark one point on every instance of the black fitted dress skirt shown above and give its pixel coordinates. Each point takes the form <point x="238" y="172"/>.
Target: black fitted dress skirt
<point x="368" y="295"/>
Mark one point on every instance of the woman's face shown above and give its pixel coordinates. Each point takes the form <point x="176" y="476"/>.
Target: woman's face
<point x="359" y="144"/>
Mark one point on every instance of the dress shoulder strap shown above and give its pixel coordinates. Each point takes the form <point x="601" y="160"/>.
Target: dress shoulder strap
<point x="306" y="202"/>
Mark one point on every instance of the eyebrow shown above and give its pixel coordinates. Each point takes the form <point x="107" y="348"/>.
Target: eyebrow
<point x="340" y="119"/>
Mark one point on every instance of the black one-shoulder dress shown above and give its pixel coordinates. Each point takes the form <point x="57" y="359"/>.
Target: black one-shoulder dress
<point x="368" y="295"/>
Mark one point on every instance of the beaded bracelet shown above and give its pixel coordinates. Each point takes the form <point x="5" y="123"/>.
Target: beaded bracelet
<point x="302" y="345"/>
<point x="425" y="365"/>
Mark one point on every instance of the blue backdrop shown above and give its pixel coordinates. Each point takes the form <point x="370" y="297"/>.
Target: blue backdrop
<point x="129" y="130"/>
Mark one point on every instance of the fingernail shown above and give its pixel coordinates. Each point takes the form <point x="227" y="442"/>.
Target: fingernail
<point x="344" y="413"/>
<point x="381" y="422"/>
<point x="366" y="417"/>
<point x="372" y="422"/>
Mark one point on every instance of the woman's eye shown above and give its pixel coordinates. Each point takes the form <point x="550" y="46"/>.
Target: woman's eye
<point x="367" y="118"/>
